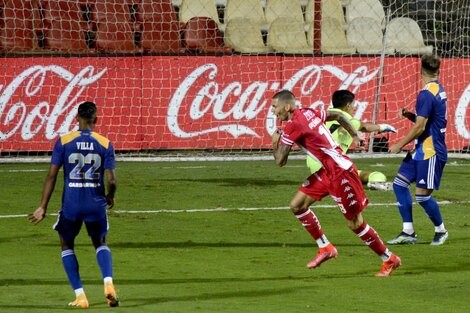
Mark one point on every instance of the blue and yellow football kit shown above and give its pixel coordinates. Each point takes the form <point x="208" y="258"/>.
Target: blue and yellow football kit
<point x="84" y="156"/>
<point x="425" y="163"/>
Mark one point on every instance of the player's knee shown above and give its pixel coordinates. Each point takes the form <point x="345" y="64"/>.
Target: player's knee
<point x="399" y="184"/>
<point x="422" y="199"/>
<point x="98" y="241"/>
<point x="295" y="206"/>
<point x="355" y="222"/>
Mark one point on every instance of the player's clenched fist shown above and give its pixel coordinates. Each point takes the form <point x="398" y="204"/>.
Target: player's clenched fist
<point x="276" y="137"/>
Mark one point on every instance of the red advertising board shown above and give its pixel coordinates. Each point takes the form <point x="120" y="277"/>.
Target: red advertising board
<point x="190" y="102"/>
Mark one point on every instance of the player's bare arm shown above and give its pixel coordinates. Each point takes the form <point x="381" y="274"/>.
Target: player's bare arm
<point x="40" y="213"/>
<point x="280" y="151"/>
<point x="379" y="128"/>
<point x="414" y="133"/>
<point x="111" y="186"/>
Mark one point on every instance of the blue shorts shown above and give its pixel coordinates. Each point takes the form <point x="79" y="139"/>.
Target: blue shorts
<point x="69" y="229"/>
<point x="426" y="173"/>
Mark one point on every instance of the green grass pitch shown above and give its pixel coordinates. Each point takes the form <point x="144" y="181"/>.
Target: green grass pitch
<point x="232" y="261"/>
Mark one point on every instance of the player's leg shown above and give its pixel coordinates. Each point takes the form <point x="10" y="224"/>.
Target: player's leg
<point x="313" y="189"/>
<point x="372" y="239"/>
<point x="401" y="187"/>
<point x="429" y="173"/>
<point x="349" y="194"/>
<point x="97" y="231"/>
<point x="68" y="230"/>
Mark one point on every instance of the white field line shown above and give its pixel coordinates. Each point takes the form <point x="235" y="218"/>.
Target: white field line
<point x="454" y="163"/>
<point x="233" y="209"/>
<point x="23" y="171"/>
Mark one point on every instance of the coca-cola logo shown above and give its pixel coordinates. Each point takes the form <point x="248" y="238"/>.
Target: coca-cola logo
<point x="30" y="117"/>
<point x="250" y="101"/>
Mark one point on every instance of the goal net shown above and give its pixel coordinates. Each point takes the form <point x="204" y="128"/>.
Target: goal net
<point x="191" y="77"/>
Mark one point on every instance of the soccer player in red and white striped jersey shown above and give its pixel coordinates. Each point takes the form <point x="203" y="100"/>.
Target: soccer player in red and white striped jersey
<point x="338" y="177"/>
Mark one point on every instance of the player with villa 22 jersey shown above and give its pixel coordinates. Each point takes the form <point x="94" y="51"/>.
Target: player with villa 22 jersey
<point x="87" y="158"/>
<point x="338" y="177"/>
<point x="85" y="155"/>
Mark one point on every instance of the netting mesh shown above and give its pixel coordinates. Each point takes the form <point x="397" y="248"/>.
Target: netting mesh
<point x="199" y="74"/>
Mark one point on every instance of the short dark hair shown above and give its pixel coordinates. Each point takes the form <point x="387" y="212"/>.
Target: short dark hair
<point x="430" y="64"/>
<point x="285" y="95"/>
<point x="341" y="98"/>
<point x="87" y="110"/>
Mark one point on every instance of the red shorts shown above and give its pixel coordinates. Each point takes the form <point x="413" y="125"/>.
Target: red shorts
<point x="346" y="190"/>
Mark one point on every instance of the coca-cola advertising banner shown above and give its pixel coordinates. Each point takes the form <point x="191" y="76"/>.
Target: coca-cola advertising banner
<point x="188" y="102"/>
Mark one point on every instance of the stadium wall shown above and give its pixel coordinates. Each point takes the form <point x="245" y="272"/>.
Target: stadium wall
<point x="192" y="102"/>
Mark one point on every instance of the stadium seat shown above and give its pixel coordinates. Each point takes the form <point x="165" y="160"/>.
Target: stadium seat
<point x="365" y="35"/>
<point x="287" y="35"/>
<point x="282" y="8"/>
<point x="161" y="37"/>
<point x="244" y="36"/>
<point x="17" y="34"/>
<point x="115" y="38"/>
<point x="202" y="35"/>
<point x="366" y="8"/>
<point x="244" y="9"/>
<point x="333" y="38"/>
<point x="404" y="35"/>
<point x="111" y="11"/>
<point x="198" y="8"/>
<point x="156" y="10"/>
<point x="161" y="30"/>
<point x="64" y="27"/>
<point x="333" y="9"/>
<point x="114" y="27"/>
<point x="310" y="12"/>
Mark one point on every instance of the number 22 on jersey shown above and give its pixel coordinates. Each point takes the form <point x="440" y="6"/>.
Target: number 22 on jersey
<point x="81" y="160"/>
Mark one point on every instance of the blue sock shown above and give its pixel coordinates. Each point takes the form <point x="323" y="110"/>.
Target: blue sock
<point x="69" y="260"/>
<point x="431" y="207"/>
<point x="105" y="261"/>
<point x="404" y="199"/>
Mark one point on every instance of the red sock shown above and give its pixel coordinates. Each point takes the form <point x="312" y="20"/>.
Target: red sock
<point x="371" y="238"/>
<point x="310" y="222"/>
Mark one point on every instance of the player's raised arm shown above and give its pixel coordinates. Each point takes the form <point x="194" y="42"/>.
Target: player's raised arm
<point x="417" y="129"/>
<point x="408" y="114"/>
<point x="344" y="122"/>
<point x="40" y="213"/>
<point x="378" y="128"/>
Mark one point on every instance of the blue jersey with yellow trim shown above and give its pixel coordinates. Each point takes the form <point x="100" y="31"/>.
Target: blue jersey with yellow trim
<point x="432" y="104"/>
<point x="84" y="155"/>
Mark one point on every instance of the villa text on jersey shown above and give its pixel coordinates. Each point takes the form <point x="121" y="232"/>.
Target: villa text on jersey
<point x="84" y="155"/>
